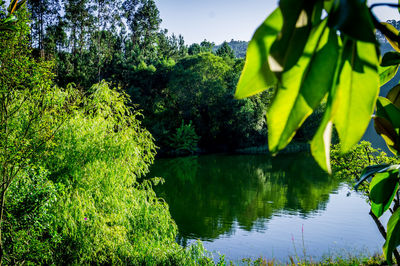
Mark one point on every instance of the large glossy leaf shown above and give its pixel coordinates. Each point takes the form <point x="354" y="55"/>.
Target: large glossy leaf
<point x="256" y="75"/>
<point x="368" y="172"/>
<point x="290" y="43"/>
<point x="390" y="59"/>
<point x="392" y="236"/>
<point x="382" y="189"/>
<point x="302" y="87"/>
<point x="357" y="92"/>
<point x="386" y="73"/>
<point x="353" y="18"/>
<point x="392" y="42"/>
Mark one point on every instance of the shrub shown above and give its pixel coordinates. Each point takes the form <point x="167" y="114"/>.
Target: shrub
<point x="185" y="140"/>
<point x="349" y="166"/>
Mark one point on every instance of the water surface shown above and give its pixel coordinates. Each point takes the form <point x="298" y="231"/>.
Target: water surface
<point x="250" y="206"/>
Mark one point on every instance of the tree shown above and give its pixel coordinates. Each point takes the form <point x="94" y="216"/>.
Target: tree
<point x="79" y="20"/>
<point x="225" y="51"/>
<point x="335" y="61"/>
<point x="31" y="108"/>
<point x="43" y="14"/>
<point x="143" y="20"/>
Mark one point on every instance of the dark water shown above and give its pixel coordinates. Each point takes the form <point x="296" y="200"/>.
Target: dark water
<point x="257" y="206"/>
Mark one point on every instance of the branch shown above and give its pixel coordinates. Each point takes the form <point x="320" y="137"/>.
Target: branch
<point x="383" y="233"/>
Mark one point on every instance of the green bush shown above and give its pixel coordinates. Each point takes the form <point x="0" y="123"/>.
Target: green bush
<point x="29" y="235"/>
<point x="184" y="141"/>
<point x="88" y="203"/>
<point x="349" y="166"/>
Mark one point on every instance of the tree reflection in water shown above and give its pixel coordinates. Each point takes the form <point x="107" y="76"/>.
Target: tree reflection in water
<point x="207" y="195"/>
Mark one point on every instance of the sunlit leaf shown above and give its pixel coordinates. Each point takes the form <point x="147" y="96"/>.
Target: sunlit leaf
<point x="353" y="18"/>
<point x="392" y="236"/>
<point x="391" y="28"/>
<point x="10" y="19"/>
<point x="386" y="73"/>
<point x="357" y="92"/>
<point x="382" y="189"/>
<point x="321" y="142"/>
<point x="290" y="43"/>
<point x="256" y="75"/>
<point x="303" y="87"/>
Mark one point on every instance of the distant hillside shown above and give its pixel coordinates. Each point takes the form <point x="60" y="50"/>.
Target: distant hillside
<point x="238" y="47"/>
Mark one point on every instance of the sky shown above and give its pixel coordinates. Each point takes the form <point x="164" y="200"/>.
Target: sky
<point x="223" y="20"/>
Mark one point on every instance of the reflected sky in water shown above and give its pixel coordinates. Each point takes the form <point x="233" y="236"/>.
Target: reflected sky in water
<point x="255" y="205"/>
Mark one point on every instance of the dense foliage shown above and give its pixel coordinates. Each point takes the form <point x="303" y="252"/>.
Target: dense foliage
<point x="122" y="42"/>
<point x="71" y="163"/>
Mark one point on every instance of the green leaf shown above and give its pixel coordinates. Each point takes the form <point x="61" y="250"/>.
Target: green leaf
<point x="256" y="75"/>
<point x="357" y="92"/>
<point x="391" y="28"/>
<point x="328" y="4"/>
<point x="302" y="87"/>
<point x="392" y="236"/>
<point x="386" y="109"/>
<point x="353" y="18"/>
<point x="290" y="43"/>
<point x="10" y="19"/>
<point x="387" y="120"/>
<point x="385" y="129"/>
<point x="394" y="95"/>
<point x="382" y="190"/>
<point x="369" y="171"/>
<point x="321" y="142"/>
<point x="390" y="59"/>
<point x="386" y="73"/>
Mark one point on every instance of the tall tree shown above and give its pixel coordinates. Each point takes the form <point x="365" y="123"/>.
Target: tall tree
<point x="79" y="20"/>
<point x="106" y="17"/>
<point x="143" y="20"/>
<point x="44" y="13"/>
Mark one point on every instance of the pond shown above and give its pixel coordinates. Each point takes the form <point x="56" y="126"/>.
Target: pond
<point x="251" y="206"/>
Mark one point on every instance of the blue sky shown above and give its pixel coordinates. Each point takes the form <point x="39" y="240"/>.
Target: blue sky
<point x="220" y="20"/>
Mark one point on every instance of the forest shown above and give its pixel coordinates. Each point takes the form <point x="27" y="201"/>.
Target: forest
<point x="184" y="92"/>
<point x="93" y="92"/>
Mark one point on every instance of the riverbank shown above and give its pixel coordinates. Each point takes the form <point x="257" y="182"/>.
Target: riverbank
<point x="293" y="147"/>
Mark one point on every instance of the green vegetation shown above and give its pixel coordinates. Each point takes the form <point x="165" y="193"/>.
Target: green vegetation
<point x="79" y="87"/>
<point x="71" y="164"/>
